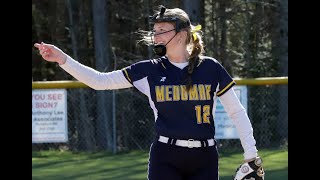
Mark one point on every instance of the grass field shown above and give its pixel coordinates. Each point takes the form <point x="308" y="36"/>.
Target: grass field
<point x="57" y="165"/>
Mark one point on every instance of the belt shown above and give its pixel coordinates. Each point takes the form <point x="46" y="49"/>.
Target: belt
<point x="190" y="143"/>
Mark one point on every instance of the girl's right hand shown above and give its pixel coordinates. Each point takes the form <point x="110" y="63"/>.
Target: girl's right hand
<point x="51" y="53"/>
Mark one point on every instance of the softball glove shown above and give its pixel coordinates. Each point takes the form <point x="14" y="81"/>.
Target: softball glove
<point x="250" y="170"/>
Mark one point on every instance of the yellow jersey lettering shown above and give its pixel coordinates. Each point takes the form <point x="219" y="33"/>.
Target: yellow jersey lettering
<point x="176" y="93"/>
<point x="193" y="93"/>
<point x="202" y="93"/>
<point x="206" y="114"/>
<point x="208" y="90"/>
<point x="184" y="93"/>
<point x="160" y="93"/>
<point x="198" y="92"/>
<point x="168" y="93"/>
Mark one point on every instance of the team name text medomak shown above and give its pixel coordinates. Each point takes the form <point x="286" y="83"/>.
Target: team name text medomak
<point x="179" y="93"/>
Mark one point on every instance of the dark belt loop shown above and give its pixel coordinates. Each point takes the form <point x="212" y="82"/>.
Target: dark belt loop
<point x="172" y="141"/>
<point x="204" y="143"/>
<point x="207" y="143"/>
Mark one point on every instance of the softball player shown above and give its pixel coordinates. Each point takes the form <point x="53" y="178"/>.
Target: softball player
<point x="182" y="86"/>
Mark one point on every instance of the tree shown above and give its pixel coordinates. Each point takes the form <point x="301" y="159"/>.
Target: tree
<point x="103" y="64"/>
<point x="195" y="10"/>
<point x="85" y="128"/>
<point x="280" y="52"/>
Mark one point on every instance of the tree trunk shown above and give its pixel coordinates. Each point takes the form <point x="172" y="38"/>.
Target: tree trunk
<point x="282" y="54"/>
<point x="85" y="129"/>
<point x="223" y="37"/>
<point x="195" y="10"/>
<point x="246" y="44"/>
<point x="215" y="36"/>
<point x="104" y="98"/>
<point x="147" y="10"/>
<point x="57" y="29"/>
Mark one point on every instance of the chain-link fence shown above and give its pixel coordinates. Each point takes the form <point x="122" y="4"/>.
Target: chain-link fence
<point x="122" y="120"/>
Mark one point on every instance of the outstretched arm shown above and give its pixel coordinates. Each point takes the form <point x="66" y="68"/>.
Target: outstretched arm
<point x="238" y="115"/>
<point x="94" y="79"/>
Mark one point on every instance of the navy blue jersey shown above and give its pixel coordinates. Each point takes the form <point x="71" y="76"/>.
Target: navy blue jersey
<point x="178" y="113"/>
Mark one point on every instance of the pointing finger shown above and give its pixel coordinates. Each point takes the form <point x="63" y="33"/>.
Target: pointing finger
<point x="37" y="45"/>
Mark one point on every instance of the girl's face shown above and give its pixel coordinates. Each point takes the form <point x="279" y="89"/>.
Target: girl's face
<point x="163" y="32"/>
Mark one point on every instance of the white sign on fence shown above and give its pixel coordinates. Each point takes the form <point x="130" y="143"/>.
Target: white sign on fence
<point x="49" y="116"/>
<point x="224" y="127"/>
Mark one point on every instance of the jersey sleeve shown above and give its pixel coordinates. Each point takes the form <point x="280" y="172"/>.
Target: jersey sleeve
<point x="225" y="80"/>
<point x="137" y="71"/>
<point x="93" y="78"/>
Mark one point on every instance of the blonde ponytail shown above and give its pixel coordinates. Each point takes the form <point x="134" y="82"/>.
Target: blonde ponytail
<point x="195" y="44"/>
